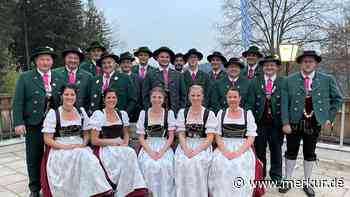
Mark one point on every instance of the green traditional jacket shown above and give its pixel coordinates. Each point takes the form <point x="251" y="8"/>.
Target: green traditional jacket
<point x="257" y="98"/>
<point x="221" y="75"/>
<point x="139" y="84"/>
<point x="82" y="81"/>
<point x="257" y="73"/>
<point x="201" y="79"/>
<point x="217" y="98"/>
<point x="89" y="66"/>
<point x="326" y="98"/>
<point x="135" y="69"/>
<point x="122" y="84"/>
<point x="176" y="89"/>
<point x="29" y="98"/>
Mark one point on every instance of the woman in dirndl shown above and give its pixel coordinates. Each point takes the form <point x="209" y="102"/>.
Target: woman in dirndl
<point x="71" y="167"/>
<point x="233" y="166"/>
<point x="156" y="128"/>
<point x="196" y="127"/>
<point x="110" y="133"/>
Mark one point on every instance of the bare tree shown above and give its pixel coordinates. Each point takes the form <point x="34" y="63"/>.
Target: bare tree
<point x="275" y="22"/>
<point x="336" y="50"/>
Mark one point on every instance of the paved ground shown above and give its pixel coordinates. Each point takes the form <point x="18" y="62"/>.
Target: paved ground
<point x="332" y="164"/>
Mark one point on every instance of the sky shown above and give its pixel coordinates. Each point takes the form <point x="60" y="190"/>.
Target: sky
<point x="178" y="24"/>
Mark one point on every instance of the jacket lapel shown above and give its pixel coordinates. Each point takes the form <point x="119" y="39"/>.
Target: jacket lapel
<point x="38" y="80"/>
<point x="315" y="83"/>
<point x="171" y="76"/>
<point x="54" y="80"/>
<point x="261" y="85"/>
<point x="64" y="74"/>
<point x="300" y="83"/>
<point x="79" y="76"/>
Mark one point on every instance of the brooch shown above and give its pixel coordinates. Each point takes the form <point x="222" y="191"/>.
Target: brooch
<point x="98" y="81"/>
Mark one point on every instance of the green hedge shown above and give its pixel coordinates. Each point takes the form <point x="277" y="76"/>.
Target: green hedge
<point x="9" y="81"/>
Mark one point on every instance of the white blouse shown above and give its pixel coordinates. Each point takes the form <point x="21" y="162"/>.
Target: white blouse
<point x="140" y="127"/>
<point x="49" y="125"/>
<point x="99" y="119"/>
<point x="251" y="125"/>
<point x="211" y="125"/>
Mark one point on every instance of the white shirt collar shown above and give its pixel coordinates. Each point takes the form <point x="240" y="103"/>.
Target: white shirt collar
<point x="272" y="78"/>
<point x="145" y="66"/>
<point x="93" y="62"/>
<point x="110" y="74"/>
<point x="253" y="67"/>
<point x="233" y="79"/>
<point x="193" y="71"/>
<point x="216" y="72"/>
<point x="161" y="68"/>
<point x="129" y="73"/>
<point x="42" y="73"/>
<point x="311" y="76"/>
<point x="74" y="71"/>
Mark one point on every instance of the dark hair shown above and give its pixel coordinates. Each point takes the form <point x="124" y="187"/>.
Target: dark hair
<point x="108" y="90"/>
<point x="234" y="89"/>
<point x="68" y="86"/>
<point x="157" y="89"/>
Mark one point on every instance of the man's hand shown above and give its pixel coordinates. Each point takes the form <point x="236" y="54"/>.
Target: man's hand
<point x="20" y="130"/>
<point x="328" y="124"/>
<point x="287" y="129"/>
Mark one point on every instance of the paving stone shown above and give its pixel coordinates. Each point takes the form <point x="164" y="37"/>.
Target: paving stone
<point x="9" y="159"/>
<point x="7" y="194"/>
<point x="16" y="164"/>
<point x="11" y="179"/>
<point x="4" y="171"/>
<point x="19" y="187"/>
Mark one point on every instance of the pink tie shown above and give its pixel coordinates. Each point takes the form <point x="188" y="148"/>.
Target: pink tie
<point x="71" y="77"/>
<point x="307" y="83"/>
<point x="46" y="81"/>
<point x="250" y="73"/>
<point x="142" y="72"/>
<point x="268" y="88"/>
<point x="193" y="76"/>
<point x="106" y="83"/>
<point x="98" y="69"/>
<point x="165" y="77"/>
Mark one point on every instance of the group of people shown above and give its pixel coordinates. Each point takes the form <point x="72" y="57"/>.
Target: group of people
<point x="76" y="121"/>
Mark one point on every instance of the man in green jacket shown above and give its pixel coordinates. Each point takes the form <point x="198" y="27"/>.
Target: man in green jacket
<point x="170" y="80"/>
<point x="143" y="54"/>
<point x="112" y="79"/>
<point x="125" y="62"/>
<point x="179" y="62"/>
<point x="310" y="99"/>
<point x="194" y="76"/>
<point x="217" y="99"/>
<point x="95" y="51"/>
<point x="36" y="92"/>
<point x="71" y="73"/>
<point x="253" y="69"/>
<point x="217" y="60"/>
<point x="264" y="100"/>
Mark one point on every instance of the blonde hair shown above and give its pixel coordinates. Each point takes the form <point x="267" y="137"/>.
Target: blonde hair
<point x="193" y="88"/>
<point x="196" y="87"/>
